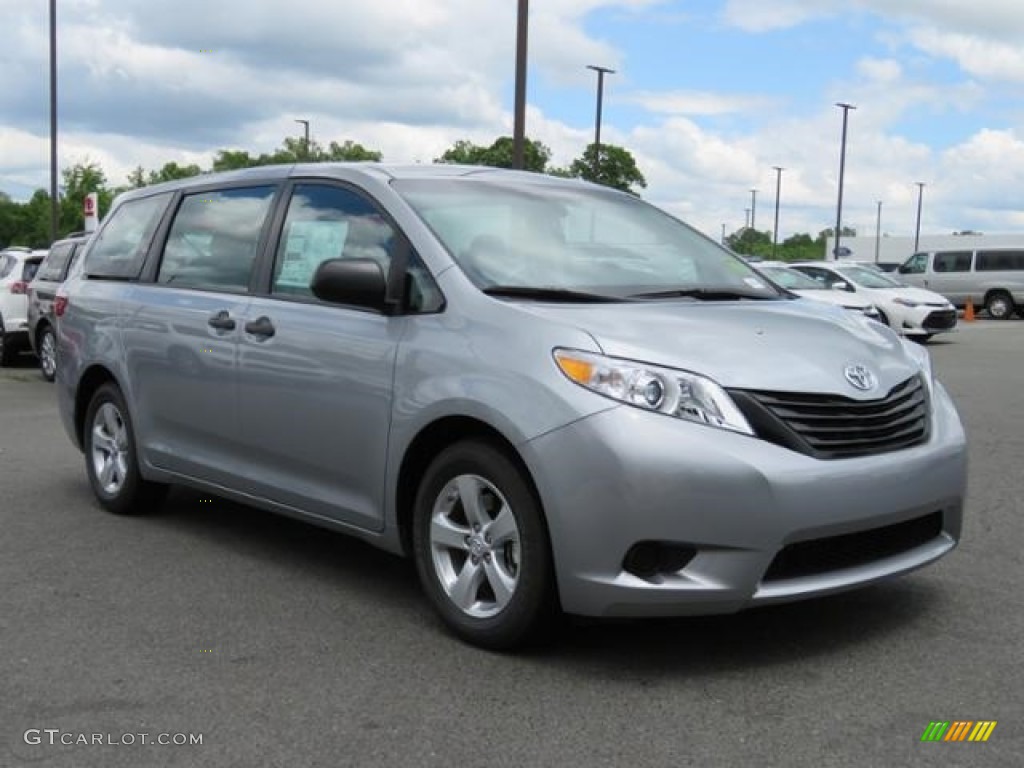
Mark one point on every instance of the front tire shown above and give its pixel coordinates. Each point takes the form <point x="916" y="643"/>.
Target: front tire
<point x="7" y="352"/>
<point x="481" y="547"/>
<point x="111" y="457"/>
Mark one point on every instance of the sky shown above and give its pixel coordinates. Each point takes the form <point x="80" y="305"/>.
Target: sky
<point x="708" y="95"/>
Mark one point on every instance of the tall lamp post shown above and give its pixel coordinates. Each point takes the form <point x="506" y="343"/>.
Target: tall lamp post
<point x="54" y="203"/>
<point x="601" y="72"/>
<point x="842" y="168"/>
<point x="778" y="192"/>
<point x="917" y="227"/>
<point x="878" y="231"/>
<point x="305" y="141"/>
<point x="519" y="127"/>
<point x="753" y="207"/>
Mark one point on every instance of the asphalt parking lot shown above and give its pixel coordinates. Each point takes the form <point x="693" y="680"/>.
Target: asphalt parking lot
<point x="283" y="645"/>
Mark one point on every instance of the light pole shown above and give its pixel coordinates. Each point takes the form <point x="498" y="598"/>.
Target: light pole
<point x="519" y="127"/>
<point x="753" y="207"/>
<point x="723" y="233"/>
<point x="917" y="228"/>
<point x="305" y="144"/>
<point x="746" y="211"/>
<point x="54" y="204"/>
<point x="842" y="168"/>
<point x="601" y="72"/>
<point x="778" y="192"/>
<point x="878" y="230"/>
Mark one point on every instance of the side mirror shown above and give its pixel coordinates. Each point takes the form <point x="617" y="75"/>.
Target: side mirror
<point x="841" y="286"/>
<point x="357" y="282"/>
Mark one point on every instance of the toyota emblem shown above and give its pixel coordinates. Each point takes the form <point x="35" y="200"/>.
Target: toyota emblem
<point x="860" y="377"/>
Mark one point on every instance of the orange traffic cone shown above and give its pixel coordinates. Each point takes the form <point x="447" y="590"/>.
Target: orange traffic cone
<point x="969" y="311"/>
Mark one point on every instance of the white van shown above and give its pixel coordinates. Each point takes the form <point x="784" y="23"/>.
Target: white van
<point x="988" y="277"/>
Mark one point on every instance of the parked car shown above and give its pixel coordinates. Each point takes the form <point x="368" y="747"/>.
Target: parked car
<point x="909" y="311"/>
<point x="881" y="266"/>
<point x="41" y="294"/>
<point x="551" y="394"/>
<point x="797" y="282"/>
<point x="17" y="268"/>
<point x="991" y="277"/>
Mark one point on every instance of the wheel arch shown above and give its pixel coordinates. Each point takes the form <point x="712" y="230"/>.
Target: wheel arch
<point x="93" y="378"/>
<point x="428" y="443"/>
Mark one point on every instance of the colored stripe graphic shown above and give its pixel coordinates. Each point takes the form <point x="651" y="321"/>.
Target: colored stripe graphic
<point x="934" y="731"/>
<point x="958" y="731"/>
<point x="982" y="730"/>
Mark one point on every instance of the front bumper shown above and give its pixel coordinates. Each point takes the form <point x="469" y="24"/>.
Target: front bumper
<point x="927" y="320"/>
<point x="624" y="477"/>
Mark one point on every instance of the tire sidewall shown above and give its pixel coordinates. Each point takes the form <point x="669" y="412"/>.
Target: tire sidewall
<point x="48" y="331"/>
<point x="128" y="499"/>
<point x="1005" y="301"/>
<point x="531" y="604"/>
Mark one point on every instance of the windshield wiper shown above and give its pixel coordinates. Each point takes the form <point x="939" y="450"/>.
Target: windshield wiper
<point x="702" y="294"/>
<point x="549" y="294"/>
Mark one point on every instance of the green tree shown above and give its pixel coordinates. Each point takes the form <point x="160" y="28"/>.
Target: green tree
<point x="172" y="172"/>
<point x="615" y="168"/>
<point x="79" y="180"/>
<point x="750" y="242"/>
<point x="498" y="155"/>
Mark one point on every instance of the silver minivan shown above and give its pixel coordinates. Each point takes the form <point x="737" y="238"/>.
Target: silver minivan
<point x="553" y="396"/>
<point x="992" y="278"/>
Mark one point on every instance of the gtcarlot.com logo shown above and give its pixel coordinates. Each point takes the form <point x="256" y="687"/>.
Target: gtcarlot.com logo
<point x="958" y="730"/>
<point x="55" y="737"/>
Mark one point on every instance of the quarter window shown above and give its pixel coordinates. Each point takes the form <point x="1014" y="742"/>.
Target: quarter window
<point x="121" y="244"/>
<point x="53" y="266"/>
<point x="212" y="242"/>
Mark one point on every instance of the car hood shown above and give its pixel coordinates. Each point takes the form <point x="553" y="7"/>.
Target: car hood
<point x="794" y="345"/>
<point x="919" y="295"/>
<point x="838" y="298"/>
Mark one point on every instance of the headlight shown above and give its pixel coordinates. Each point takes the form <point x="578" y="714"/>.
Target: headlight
<point x="681" y="394"/>
<point x="906" y="302"/>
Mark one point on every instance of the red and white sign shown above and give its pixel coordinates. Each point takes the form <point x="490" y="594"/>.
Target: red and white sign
<point x="90" y="208"/>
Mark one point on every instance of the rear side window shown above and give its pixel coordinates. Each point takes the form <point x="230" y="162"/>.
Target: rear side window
<point x="54" y="264"/>
<point x="997" y="261"/>
<point x="29" y="269"/>
<point x="212" y="242"/>
<point x="953" y="261"/>
<point x="6" y="265"/>
<point x="121" y="244"/>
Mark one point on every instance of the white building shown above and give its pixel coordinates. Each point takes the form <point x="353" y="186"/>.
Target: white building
<point x="899" y="249"/>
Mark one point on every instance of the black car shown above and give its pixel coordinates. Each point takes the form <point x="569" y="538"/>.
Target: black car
<point x="41" y="294"/>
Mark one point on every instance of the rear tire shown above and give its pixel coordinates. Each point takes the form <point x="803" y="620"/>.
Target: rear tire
<point x="47" y="346"/>
<point x="482" y="549"/>
<point x="999" y="305"/>
<point x="7" y="353"/>
<point x="111" y="457"/>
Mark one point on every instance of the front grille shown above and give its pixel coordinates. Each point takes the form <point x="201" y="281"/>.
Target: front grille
<point x="837" y="427"/>
<point x="940" y="320"/>
<point x="834" y="553"/>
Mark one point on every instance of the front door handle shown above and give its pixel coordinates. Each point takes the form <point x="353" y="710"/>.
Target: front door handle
<point x="222" y="321"/>
<point x="261" y="326"/>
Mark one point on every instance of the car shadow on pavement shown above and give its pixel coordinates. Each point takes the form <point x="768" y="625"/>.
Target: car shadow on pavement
<point x="779" y="634"/>
<point x="642" y="649"/>
<point x="310" y="552"/>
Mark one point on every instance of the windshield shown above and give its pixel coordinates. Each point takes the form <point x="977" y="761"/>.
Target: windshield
<point x="512" y="233"/>
<point x="791" y="279"/>
<point x="868" y="278"/>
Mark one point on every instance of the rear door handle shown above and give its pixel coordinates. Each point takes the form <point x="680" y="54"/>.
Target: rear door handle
<point x="222" y="321"/>
<point x="261" y="326"/>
